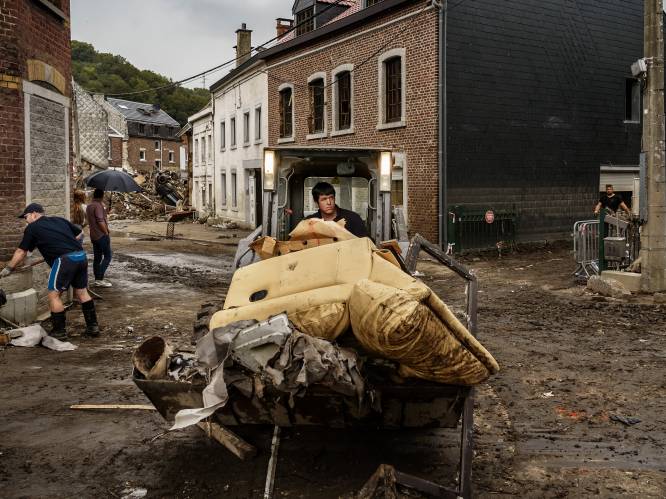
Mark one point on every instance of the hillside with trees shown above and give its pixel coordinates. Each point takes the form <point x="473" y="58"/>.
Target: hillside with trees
<point x="112" y="74"/>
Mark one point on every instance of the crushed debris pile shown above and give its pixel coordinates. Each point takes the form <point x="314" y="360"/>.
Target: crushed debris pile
<point x="163" y="193"/>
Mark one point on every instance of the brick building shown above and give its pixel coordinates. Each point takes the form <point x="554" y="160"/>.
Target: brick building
<point x="35" y="94"/>
<point x="151" y="137"/>
<point x="533" y="111"/>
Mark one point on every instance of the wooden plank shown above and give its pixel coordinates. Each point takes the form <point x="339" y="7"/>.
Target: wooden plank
<point x="236" y="445"/>
<point x="124" y="407"/>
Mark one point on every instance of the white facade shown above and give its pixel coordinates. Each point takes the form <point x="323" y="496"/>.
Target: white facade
<point x="202" y="194"/>
<point x="240" y="111"/>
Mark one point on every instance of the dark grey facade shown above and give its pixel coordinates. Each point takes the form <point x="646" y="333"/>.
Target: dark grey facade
<point x="536" y="103"/>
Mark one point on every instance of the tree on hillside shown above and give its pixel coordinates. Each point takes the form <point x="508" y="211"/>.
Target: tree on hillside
<point x="112" y="74"/>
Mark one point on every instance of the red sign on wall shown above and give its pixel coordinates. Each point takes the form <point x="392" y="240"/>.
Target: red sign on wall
<point x="490" y="217"/>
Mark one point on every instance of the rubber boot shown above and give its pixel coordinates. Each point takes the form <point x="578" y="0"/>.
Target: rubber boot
<point x="89" y="314"/>
<point x="59" y="329"/>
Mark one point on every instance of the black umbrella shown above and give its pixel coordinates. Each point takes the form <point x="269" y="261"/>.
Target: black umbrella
<point x="113" y="181"/>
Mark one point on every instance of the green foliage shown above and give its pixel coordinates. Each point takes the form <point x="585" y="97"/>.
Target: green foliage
<point x="111" y="74"/>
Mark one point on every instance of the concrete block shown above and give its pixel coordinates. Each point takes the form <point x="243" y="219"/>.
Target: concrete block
<point x="607" y="287"/>
<point x="630" y="280"/>
<point x="21" y="307"/>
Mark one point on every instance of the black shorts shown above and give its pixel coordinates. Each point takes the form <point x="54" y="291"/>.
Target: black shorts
<point x="69" y="270"/>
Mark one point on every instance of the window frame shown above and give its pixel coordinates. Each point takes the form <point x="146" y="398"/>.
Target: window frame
<point x="246" y="128"/>
<point x="258" y="135"/>
<point x="324" y="131"/>
<point x="142" y="152"/>
<point x="287" y="138"/>
<point x="209" y="156"/>
<point x="156" y="130"/>
<point x="307" y="20"/>
<point x="142" y="128"/>
<point x="158" y="164"/>
<point x="223" y="135"/>
<point x="335" y="100"/>
<point x="382" y="124"/>
<point x="195" y="159"/>
<point x="234" y="189"/>
<point x="171" y="156"/>
<point x="223" y="188"/>
<point x="233" y="139"/>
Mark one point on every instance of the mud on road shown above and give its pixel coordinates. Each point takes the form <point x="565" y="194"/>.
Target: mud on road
<point x="543" y="425"/>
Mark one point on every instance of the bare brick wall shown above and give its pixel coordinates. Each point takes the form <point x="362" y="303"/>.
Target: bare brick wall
<point x="27" y="31"/>
<point x="116" y="152"/>
<point x="418" y="139"/>
<point x="136" y="143"/>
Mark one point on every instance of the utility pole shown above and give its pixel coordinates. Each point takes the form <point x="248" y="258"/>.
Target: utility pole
<point x="653" y="235"/>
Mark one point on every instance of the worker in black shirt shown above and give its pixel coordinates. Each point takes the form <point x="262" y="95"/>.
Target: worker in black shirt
<point x="324" y="195"/>
<point x="58" y="241"/>
<point x="611" y="201"/>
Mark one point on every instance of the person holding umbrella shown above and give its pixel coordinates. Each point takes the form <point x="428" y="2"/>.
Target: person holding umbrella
<point x="100" y="237"/>
<point x="58" y="241"/>
<point x="109" y="181"/>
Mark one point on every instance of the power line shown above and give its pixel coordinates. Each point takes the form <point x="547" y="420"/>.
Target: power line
<point x="224" y="64"/>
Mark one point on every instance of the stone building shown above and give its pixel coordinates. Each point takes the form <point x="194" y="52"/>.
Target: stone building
<point x="240" y="101"/>
<point x="35" y="101"/>
<point x="202" y="186"/>
<point x="150" y="133"/>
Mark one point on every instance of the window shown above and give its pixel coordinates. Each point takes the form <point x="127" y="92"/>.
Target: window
<point x="257" y="123"/>
<point x="286" y="115"/>
<point x="316" y="118"/>
<point x="233" y="132"/>
<point x="142" y="129"/>
<point x="170" y="131"/>
<point x="172" y="158"/>
<point x="632" y="106"/>
<point x="393" y="94"/>
<point x="142" y="155"/>
<point x="210" y="147"/>
<point x="223" y="135"/>
<point x="246" y="128"/>
<point x="157" y="145"/>
<point x="223" y="187"/>
<point x="158" y="164"/>
<point x="234" y="191"/>
<point x="368" y="3"/>
<point x="305" y="21"/>
<point x="210" y="194"/>
<point x="343" y="91"/>
<point x="391" y="89"/>
<point x="156" y="130"/>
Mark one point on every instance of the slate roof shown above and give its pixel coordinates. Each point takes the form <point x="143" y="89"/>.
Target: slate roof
<point x="141" y="112"/>
<point x="353" y="7"/>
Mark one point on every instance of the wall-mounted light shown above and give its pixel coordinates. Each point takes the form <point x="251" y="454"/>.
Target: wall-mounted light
<point x="385" y="163"/>
<point x="269" y="170"/>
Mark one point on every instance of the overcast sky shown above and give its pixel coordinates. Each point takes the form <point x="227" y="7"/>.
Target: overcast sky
<point x="175" y="38"/>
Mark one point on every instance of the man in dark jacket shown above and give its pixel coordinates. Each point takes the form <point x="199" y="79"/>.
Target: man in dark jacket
<point x="324" y="195"/>
<point x="57" y="241"/>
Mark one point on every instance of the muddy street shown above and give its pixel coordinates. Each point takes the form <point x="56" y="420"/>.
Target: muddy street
<point x="544" y="426"/>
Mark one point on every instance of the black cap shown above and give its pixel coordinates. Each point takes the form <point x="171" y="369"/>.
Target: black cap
<point x="32" y="208"/>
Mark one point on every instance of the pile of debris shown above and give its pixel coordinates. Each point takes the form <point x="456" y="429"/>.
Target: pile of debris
<point x="163" y="193"/>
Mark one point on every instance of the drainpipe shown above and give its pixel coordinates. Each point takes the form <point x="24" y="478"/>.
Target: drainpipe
<point x="442" y="215"/>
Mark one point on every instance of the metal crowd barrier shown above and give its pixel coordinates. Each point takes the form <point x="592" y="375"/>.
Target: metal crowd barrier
<point x="586" y="248"/>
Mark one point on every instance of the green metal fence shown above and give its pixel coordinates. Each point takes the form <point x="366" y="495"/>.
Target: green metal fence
<point x="475" y="228"/>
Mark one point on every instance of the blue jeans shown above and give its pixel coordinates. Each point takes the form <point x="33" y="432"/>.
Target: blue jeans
<point x="102" y="256"/>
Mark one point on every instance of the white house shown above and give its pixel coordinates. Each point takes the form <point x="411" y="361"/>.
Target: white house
<point x="239" y="111"/>
<point x="203" y="170"/>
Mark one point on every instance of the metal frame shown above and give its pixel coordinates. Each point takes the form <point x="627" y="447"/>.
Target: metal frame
<point x="418" y="244"/>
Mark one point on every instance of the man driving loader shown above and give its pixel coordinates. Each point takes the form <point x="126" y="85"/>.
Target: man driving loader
<point x="323" y="194"/>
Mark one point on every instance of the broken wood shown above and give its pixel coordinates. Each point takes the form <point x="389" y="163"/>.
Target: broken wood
<point x="234" y="444"/>
<point x="126" y="407"/>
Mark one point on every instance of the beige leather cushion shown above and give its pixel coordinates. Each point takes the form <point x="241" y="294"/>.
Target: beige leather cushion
<point x="399" y="325"/>
<point x="318" y="312"/>
<point x="339" y="263"/>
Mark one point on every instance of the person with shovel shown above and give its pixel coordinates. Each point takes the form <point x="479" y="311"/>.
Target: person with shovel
<point x="57" y="241"/>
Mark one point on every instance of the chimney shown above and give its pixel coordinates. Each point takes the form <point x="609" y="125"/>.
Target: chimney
<point x="283" y="25"/>
<point x="243" y="44"/>
<point x="155" y="108"/>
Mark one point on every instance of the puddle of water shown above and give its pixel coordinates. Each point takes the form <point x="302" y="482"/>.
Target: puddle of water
<point x="202" y="263"/>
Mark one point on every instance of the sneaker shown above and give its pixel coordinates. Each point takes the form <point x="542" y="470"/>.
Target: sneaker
<point x="101" y="283"/>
